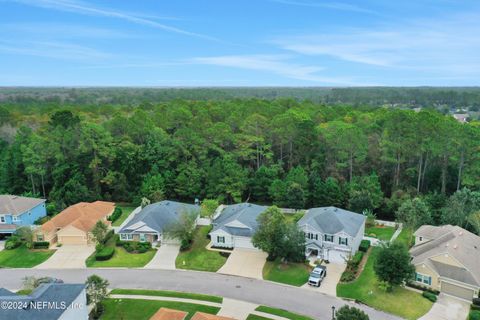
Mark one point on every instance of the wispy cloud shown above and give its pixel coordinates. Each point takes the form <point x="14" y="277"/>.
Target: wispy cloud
<point x="326" y="5"/>
<point x="62" y="30"/>
<point x="87" y="9"/>
<point x="277" y="64"/>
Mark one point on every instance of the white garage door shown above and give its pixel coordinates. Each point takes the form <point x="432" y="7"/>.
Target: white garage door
<point x="243" y="242"/>
<point x="336" y="256"/>
<point x="457" y="291"/>
<point x="72" y="240"/>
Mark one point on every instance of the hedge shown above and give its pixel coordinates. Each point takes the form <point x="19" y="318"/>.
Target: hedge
<point x="117" y="213"/>
<point x="364" y="245"/>
<point x="13" y="242"/>
<point x="475" y="307"/>
<point x="476" y="301"/>
<point x="474" y="315"/>
<point x="41" y="245"/>
<point x="423" y="288"/>
<point x="134" y="246"/>
<point x="430" y="296"/>
<point x="104" y="254"/>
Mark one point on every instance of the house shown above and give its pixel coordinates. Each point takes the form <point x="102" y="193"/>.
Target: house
<point x="206" y="316"/>
<point x="169" y="314"/>
<point x="331" y="233"/>
<point x="73" y="225"/>
<point x="447" y="258"/>
<point x="18" y="211"/>
<point x="50" y="301"/>
<point x="235" y="225"/>
<point x="151" y="222"/>
<point x="461" y="117"/>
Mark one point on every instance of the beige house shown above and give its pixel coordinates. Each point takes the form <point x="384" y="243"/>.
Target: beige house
<point x="73" y="225"/>
<point x="447" y="258"/>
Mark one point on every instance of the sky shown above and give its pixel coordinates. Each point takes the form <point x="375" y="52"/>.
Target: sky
<point x="164" y="43"/>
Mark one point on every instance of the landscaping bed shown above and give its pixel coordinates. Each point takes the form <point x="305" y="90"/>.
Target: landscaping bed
<point x="282" y="313"/>
<point x="22" y="257"/>
<point x="295" y="274"/>
<point x="198" y="257"/>
<point x="165" y="293"/>
<point x="137" y="309"/>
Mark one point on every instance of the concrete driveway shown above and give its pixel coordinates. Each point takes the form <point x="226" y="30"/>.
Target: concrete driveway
<point x="68" y="257"/>
<point x="448" y="308"/>
<point x="245" y="263"/>
<point x="329" y="284"/>
<point x="165" y="257"/>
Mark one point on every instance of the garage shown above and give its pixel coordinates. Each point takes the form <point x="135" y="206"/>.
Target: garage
<point x="457" y="291"/>
<point x="243" y="242"/>
<point x="336" y="256"/>
<point x="72" y="239"/>
<point x="72" y="235"/>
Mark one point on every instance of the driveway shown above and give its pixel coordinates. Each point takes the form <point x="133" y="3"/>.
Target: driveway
<point x="245" y="263"/>
<point x="329" y="284"/>
<point x="68" y="257"/>
<point x="448" y="308"/>
<point x="165" y="257"/>
<point x="2" y="245"/>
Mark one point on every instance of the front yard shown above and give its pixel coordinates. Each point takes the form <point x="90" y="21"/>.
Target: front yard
<point x="134" y="309"/>
<point x="383" y="233"/>
<point x="402" y="302"/>
<point x="295" y="274"/>
<point x="22" y="257"/>
<point x="198" y="257"/>
<point x="126" y="210"/>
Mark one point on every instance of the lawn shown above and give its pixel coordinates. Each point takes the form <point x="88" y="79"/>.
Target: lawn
<point x="121" y="258"/>
<point x="282" y="313"/>
<point x="255" y="317"/>
<point x="133" y="309"/>
<point x="164" y="293"/>
<point x="295" y="274"/>
<point x="125" y="213"/>
<point x="381" y="233"/>
<point x="198" y="257"/>
<point x="402" y="302"/>
<point x="406" y="237"/>
<point x="22" y="257"/>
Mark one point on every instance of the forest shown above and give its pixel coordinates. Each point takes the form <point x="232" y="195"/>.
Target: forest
<point x="288" y="152"/>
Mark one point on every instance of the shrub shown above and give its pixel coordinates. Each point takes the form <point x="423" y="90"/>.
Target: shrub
<point x="423" y="288"/>
<point x="13" y="242"/>
<point x="95" y="315"/>
<point x="185" y="245"/>
<point x="364" y="245"/>
<point x="474" y="315"/>
<point x="41" y="245"/>
<point x="108" y="236"/>
<point x="351" y="313"/>
<point x="115" y="215"/>
<point x="41" y="220"/>
<point x="474" y="307"/>
<point x="476" y="301"/>
<point x="430" y="296"/>
<point x="347" y="276"/>
<point x="104" y="254"/>
<point x="357" y="258"/>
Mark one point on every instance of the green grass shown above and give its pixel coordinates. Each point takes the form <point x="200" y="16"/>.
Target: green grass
<point x="133" y="309"/>
<point x="121" y="258"/>
<point x="198" y="257"/>
<point x="295" y="274"/>
<point x="282" y="313"/>
<point x="405" y="237"/>
<point x="255" y="317"/>
<point x="24" y="292"/>
<point x="22" y="257"/>
<point x="164" y="293"/>
<point x="381" y="233"/>
<point x="125" y="213"/>
<point x="402" y="302"/>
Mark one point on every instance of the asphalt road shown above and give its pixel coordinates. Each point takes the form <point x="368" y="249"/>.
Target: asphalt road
<point x="308" y="302"/>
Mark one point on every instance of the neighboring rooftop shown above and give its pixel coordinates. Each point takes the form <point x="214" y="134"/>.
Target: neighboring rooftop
<point x="331" y="220"/>
<point x="169" y="314"/>
<point x="239" y="219"/>
<point x="458" y="243"/>
<point x="82" y="216"/>
<point x="57" y="293"/>
<point x="155" y="217"/>
<point x="207" y="316"/>
<point x="16" y="205"/>
<point x="461" y="117"/>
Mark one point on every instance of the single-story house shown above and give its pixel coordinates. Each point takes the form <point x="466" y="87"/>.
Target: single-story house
<point x="73" y="225"/>
<point x="331" y="233"/>
<point x="50" y="301"/>
<point x="235" y="226"/>
<point x="151" y="222"/>
<point x="18" y="211"/>
<point x="447" y="258"/>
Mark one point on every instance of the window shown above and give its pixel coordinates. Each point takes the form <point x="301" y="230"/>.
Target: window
<point x="220" y="239"/>
<point x="423" y="279"/>
<point x="420" y="238"/>
<point x="343" y="241"/>
<point x="39" y="237"/>
<point x="142" y="238"/>
<point x="2" y="219"/>
<point x="124" y="236"/>
<point x="316" y="236"/>
<point x="328" y="238"/>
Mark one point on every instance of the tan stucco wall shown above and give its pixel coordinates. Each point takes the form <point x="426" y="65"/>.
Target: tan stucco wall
<point x="425" y="270"/>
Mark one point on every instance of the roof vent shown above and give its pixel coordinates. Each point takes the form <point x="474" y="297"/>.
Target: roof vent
<point x="461" y="233"/>
<point x="446" y="245"/>
<point x="454" y="246"/>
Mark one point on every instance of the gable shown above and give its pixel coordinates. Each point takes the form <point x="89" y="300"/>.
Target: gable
<point x="236" y="224"/>
<point x="447" y="259"/>
<point x="70" y="230"/>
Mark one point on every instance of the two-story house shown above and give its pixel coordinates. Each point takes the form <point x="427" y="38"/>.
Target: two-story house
<point x="331" y="233"/>
<point x="16" y="211"/>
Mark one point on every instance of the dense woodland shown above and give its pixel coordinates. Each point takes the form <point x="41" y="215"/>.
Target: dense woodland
<point x="289" y="152"/>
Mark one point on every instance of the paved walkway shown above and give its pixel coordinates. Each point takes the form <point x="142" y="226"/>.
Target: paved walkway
<point x="68" y="257"/>
<point x="397" y="232"/>
<point x="448" y="308"/>
<point x="165" y="257"/>
<point x="245" y="263"/>
<point x="2" y="245"/>
<point x="236" y="309"/>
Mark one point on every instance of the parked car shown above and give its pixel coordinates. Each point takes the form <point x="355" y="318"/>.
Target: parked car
<point x="317" y="275"/>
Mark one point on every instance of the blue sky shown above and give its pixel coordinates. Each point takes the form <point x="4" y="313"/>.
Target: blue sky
<point x="239" y="43"/>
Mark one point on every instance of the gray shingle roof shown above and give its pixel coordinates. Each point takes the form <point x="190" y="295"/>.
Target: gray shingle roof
<point x="245" y="213"/>
<point x="158" y="215"/>
<point x="331" y="220"/>
<point x="16" y="205"/>
<point x="51" y="292"/>
<point x="453" y="272"/>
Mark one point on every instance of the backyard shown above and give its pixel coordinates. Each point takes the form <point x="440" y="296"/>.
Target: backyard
<point x="402" y="302"/>
<point x="22" y="257"/>
<point x="198" y="257"/>
<point x="126" y="210"/>
<point x="295" y="274"/>
<point x="406" y="237"/>
<point x="383" y="233"/>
